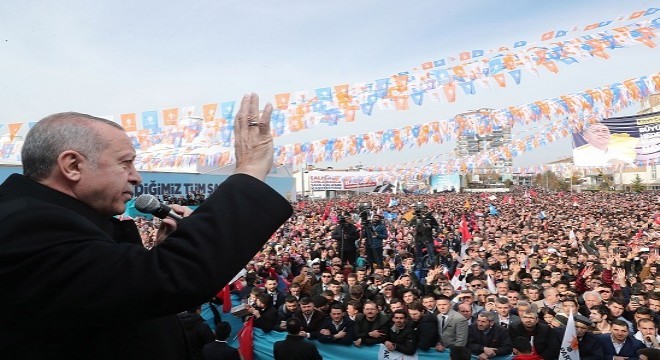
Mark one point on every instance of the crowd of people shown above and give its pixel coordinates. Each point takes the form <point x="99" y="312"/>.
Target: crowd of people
<point x="485" y="272"/>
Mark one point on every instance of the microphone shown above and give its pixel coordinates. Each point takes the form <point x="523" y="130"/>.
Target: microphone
<point x="149" y="204"/>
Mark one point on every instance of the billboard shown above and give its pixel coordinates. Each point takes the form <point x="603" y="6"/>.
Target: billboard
<point x="625" y="140"/>
<point x="446" y="183"/>
<point x="348" y="180"/>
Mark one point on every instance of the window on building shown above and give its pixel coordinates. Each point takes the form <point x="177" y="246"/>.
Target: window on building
<point x="654" y="172"/>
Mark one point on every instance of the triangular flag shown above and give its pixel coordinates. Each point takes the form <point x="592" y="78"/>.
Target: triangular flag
<point x="569" y="345"/>
<point x="13" y="130"/>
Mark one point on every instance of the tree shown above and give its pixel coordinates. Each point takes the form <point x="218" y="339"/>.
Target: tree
<point x="508" y="183"/>
<point x="637" y="185"/>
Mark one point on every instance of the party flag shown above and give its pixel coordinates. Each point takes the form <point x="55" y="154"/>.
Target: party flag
<point x="569" y="345"/>
<point x="246" y="340"/>
<point x="128" y="122"/>
<point x="170" y="117"/>
<point x="209" y="112"/>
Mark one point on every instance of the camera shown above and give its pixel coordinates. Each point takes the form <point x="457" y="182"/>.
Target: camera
<point x="365" y="211"/>
<point x="419" y="208"/>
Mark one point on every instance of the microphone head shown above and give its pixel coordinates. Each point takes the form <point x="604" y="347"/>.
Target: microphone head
<point x="147" y="204"/>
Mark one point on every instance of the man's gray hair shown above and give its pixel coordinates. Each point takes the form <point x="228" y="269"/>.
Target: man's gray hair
<point x="57" y="133"/>
<point x="488" y="315"/>
<point x="595" y="294"/>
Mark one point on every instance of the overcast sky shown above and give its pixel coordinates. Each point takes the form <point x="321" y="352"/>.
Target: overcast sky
<point x="113" y="57"/>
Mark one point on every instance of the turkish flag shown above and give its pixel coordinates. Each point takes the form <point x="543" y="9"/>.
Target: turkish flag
<point x="246" y="340"/>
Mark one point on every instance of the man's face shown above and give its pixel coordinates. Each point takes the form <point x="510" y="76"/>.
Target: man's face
<point x="336" y="315"/>
<point x="316" y="268"/>
<point x="616" y="309"/>
<point x="529" y="321"/>
<point x="429" y="303"/>
<point x="647" y="328"/>
<point x="569" y="307"/>
<point x="443" y="305"/>
<point x="620" y="333"/>
<point x="351" y="310"/>
<point x="415" y="315"/>
<point x="271" y="285"/>
<point x="483" y="323"/>
<point x="597" y="135"/>
<point x="370" y="311"/>
<point x="339" y="277"/>
<point x="408" y="297"/>
<point x="351" y="281"/>
<point x="307" y="309"/>
<point x="551" y="296"/>
<point x="396" y="306"/>
<point x="295" y="291"/>
<point x="107" y="183"/>
<point x="291" y="306"/>
<point x="654" y="305"/>
<point x="465" y="310"/>
<point x="581" y="329"/>
<point x="591" y="301"/>
<point x="336" y="289"/>
<point x="326" y="278"/>
<point x="399" y="320"/>
<point x="502" y="309"/>
<point x="502" y="288"/>
<point x="533" y="294"/>
<point x="595" y="316"/>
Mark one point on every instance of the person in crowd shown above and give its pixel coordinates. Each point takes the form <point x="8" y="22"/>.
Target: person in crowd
<point x="323" y="285"/>
<point x="401" y="335"/>
<point x="286" y="311"/>
<point x="545" y="341"/>
<point x="374" y="236"/>
<point x="310" y="318"/>
<point x="486" y="339"/>
<point x="648" y="354"/>
<point x="265" y="314"/>
<point x="466" y="311"/>
<point x="425" y="325"/>
<point x="370" y="326"/>
<point x="219" y="349"/>
<point x="424" y="226"/>
<point x="295" y="346"/>
<point x="272" y="290"/>
<point x="452" y="326"/>
<point x="337" y="328"/>
<point x="503" y="316"/>
<point x="459" y="353"/>
<point x="78" y="172"/>
<point x="619" y="344"/>
<point x="601" y="316"/>
<point x="522" y="349"/>
<point x="588" y="345"/>
<point x="647" y="333"/>
<point x="197" y="331"/>
<point x="346" y="234"/>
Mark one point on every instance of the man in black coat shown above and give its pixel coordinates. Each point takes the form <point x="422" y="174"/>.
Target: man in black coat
<point x="77" y="283"/>
<point x="401" y="335"/>
<point x="486" y="339"/>
<point x="337" y="328"/>
<point x="294" y="347"/>
<point x="219" y="350"/>
<point x="546" y="343"/>
<point x="310" y="318"/>
<point x="425" y="325"/>
<point x="346" y="234"/>
<point x="197" y="332"/>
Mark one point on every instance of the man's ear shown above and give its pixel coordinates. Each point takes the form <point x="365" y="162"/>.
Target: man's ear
<point x="70" y="164"/>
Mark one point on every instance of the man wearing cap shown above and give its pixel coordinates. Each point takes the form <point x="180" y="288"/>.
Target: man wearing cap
<point x="588" y="344"/>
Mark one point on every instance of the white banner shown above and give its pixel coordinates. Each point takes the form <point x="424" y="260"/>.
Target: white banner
<point x="384" y="354"/>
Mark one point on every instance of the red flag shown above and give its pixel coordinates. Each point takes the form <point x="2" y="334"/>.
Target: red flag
<point x="465" y="232"/>
<point x="246" y="340"/>
<point x="226" y="299"/>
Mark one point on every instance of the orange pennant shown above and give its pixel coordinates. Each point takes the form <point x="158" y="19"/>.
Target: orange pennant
<point x="550" y="65"/>
<point x="13" y="130"/>
<point x="450" y="92"/>
<point x="282" y="101"/>
<point x="401" y="102"/>
<point x="128" y="122"/>
<point x="209" y="112"/>
<point x="170" y="117"/>
<point x="500" y="79"/>
<point x="637" y="14"/>
<point x="350" y="115"/>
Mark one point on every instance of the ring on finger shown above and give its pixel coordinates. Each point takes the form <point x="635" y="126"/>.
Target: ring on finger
<point x="253" y="123"/>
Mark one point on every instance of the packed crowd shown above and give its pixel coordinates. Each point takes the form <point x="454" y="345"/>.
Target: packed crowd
<point x="490" y="273"/>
